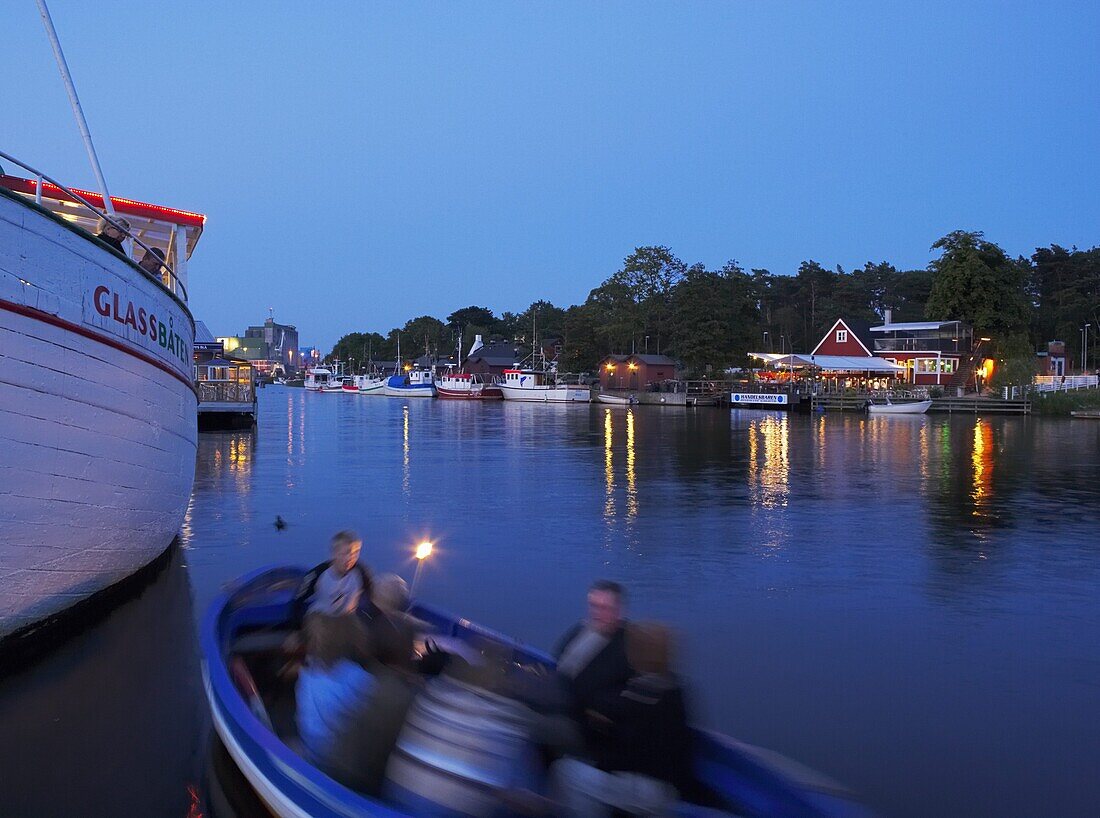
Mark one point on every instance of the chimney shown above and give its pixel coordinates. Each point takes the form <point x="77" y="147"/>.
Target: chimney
<point x="888" y="317"/>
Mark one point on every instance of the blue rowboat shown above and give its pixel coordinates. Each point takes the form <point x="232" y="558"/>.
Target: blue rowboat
<point x="255" y="610"/>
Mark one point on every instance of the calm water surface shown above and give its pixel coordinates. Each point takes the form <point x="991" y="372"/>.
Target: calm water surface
<point x="907" y="604"/>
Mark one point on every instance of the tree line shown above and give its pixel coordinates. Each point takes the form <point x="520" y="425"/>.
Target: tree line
<point x="711" y="319"/>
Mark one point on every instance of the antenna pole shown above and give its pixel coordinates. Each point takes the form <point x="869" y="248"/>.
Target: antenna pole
<point x="78" y="112"/>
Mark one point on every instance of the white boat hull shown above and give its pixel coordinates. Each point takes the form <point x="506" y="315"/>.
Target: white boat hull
<point x="97" y="417"/>
<point x="914" y="408"/>
<point x="548" y="394"/>
<point x="615" y="400"/>
<point x="409" y="391"/>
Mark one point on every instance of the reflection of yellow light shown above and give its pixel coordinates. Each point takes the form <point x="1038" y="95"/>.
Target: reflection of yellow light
<point x="769" y="466"/>
<point x="982" y="461"/>
<point x="424" y="550"/>
<point x="608" y="467"/>
<point x="631" y="484"/>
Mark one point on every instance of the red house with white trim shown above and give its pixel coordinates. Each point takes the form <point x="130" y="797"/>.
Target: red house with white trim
<point x="849" y="338"/>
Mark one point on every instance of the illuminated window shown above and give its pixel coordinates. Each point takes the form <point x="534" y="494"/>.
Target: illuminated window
<point x="841" y="336"/>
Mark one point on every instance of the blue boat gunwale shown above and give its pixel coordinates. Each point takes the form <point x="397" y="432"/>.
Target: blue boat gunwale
<point x="765" y="789"/>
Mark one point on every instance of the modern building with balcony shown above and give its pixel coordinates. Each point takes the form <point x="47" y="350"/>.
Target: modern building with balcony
<point x="934" y="353"/>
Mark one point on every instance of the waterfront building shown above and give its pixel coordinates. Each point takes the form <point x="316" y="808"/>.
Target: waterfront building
<point x="1052" y="363"/>
<point x="933" y="353"/>
<point x="492" y="358"/>
<point x="269" y="347"/>
<point x="636" y="371"/>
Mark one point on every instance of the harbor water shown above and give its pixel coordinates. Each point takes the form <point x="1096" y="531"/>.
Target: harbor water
<point x="907" y="604"/>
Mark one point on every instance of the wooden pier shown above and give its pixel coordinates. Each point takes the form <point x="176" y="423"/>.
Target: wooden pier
<point x="970" y="404"/>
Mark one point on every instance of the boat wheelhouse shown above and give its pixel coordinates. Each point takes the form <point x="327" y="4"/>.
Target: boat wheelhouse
<point x="98" y="421"/>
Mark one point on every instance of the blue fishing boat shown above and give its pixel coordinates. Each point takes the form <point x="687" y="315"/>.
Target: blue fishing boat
<point x="416" y="383"/>
<point x="253" y="617"/>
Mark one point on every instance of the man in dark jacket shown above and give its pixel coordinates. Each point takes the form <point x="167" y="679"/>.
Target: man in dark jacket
<point x="646" y="761"/>
<point x="592" y="660"/>
<point x="340" y="585"/>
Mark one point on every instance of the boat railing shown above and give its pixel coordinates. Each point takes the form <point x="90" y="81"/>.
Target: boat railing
<point x="169" y="279"/>
<point x="226" y="392"/>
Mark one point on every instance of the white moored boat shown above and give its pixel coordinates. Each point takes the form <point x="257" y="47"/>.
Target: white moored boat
<point x="322" y="379"/>
<point x="98" y="407"/>
<point x="889" y="408"/>
<point x="533" y="385"/>
<point x="416" y="383"/>
<point x="616" y="400"/>
<point x="370" y="384"/>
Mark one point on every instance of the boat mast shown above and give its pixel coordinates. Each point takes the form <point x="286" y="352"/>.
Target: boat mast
<point x="78" y="112"/>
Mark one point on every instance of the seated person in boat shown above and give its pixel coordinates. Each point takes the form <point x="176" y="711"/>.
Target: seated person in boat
<point x="646" y="762"/>
<point x="392" y="630"/>
<point x="108" y="233"/>
<point x="333" y="684"/>
<point x="341" y="585"/>
<point x="591" y="657"/>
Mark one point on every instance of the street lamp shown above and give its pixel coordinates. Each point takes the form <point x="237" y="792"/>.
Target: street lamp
<point x="766" y="341"/>
<point x="1085" y="349"/>
<point x="423" y="551"/>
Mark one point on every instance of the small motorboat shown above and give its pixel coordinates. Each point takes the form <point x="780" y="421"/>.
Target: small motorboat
<point x="243" y="632"/>
<point x="908" y="408"/>
<point x="616" y="400"/>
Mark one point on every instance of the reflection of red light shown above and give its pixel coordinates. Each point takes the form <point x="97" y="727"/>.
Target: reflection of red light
<point x="195" y="810"/>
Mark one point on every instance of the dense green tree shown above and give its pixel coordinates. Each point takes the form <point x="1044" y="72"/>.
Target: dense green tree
<point x="1065" y="290"/>
<point x="361" y="347"/>
<point x="713" y="320"/>
<point x="975" y="281"/>
<point x="423" y="333"/>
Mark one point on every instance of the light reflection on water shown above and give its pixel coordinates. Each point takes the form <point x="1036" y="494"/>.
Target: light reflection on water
<point x="907" y="604"/>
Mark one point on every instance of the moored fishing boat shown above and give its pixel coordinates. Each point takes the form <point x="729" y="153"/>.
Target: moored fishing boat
<point x="370" y="384"/>
<point x="98" y="409"/>
<point x="320" y="379"/>
<point x="537" y="385"/>
<point x="416" y="383"/>
<point x="466" y="386"/>
<point x="245" y="628"/>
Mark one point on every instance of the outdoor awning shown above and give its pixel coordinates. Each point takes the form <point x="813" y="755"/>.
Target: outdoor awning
<point x="218" y="362"/>
<point x="830" y="363"/>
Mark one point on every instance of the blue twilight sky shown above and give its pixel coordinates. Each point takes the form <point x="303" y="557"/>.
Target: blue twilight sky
<point x="364" y="163"/>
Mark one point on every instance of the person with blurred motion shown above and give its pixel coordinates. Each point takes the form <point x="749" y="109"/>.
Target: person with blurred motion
<point x="646" y="762"/>
<point x="333" y="684"/>
<point x="591" y="658"/>
<point x="340" y="585"/>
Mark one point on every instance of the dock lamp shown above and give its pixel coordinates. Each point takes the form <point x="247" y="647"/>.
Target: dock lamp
<point x="423" y="551"/>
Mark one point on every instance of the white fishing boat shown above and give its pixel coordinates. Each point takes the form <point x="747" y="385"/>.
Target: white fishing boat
<point x="542" y="387"/>
<point x="370" y="384"/>
<point x="416" y="383"/>
<point x="891" y="408"/>
<point x="321" y="379"/>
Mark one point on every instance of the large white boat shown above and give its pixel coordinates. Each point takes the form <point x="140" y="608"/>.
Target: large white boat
<point x="98" y="406"/>
<point x="536" y="385"/>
